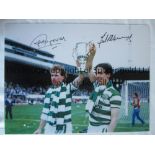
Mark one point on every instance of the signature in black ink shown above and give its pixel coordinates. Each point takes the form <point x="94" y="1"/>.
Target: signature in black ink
<point x="42" y="41"/>
<point x="112" y="37"/>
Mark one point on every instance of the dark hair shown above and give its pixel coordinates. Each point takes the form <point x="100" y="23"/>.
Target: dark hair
<point x="106" y="66"/>
<point x="59" y="68"/>
<point x="136" y="94"/>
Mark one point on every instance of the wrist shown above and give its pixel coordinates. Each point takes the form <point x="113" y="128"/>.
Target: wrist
<point x="40" y="129"/>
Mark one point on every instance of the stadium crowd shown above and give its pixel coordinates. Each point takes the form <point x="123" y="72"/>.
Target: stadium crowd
<point x="20" y="94"/>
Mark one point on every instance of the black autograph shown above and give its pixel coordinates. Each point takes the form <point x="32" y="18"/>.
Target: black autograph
<point x="112" y="37"/>
<point x="42" y="41"/>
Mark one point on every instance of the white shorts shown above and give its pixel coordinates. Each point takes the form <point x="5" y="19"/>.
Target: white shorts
<point x="51" y="130"/>
<point x="97" y="129"/>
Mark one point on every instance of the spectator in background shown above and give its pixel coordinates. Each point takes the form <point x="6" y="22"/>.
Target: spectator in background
<point x="18" y="92"/>
<point x="136" y="109"/>
<point x="8" y="107"/>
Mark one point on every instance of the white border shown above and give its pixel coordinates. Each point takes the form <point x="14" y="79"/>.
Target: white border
<point x="81" y="144"/>
<point x="77" y="9"/>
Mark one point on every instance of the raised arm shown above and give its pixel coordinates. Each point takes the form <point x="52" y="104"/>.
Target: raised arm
<point x="78" y="80"/>
<point x="92" y="76"/>
<point x="89" y="64"/>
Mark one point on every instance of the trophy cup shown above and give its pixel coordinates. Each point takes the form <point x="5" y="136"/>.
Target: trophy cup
<point x="80" y="55"/>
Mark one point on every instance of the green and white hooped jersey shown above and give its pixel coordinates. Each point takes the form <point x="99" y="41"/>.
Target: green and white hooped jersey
<point x="57" y="105"/>
<point x="105" y="100"/>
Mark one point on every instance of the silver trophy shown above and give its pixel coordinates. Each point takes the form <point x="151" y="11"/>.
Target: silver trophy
<point x="80" y="54"/>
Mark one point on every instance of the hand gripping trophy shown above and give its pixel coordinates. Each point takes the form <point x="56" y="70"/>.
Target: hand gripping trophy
<point x="84" y="53"/>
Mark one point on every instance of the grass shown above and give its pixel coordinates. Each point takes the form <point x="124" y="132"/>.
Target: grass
<point x="26" y="119"/>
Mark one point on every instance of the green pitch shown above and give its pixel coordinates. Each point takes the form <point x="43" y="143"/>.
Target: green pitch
<point x="26" y="119"/>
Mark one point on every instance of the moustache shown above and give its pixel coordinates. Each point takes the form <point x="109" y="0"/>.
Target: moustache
<point x="55" y="81"/>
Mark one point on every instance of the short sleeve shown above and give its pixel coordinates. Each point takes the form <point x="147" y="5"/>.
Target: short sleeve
<point x="115" y="100"/>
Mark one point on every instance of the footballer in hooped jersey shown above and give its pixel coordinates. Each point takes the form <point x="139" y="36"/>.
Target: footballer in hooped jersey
<point x="56" y="113"/>
<point x="104" y="103"/>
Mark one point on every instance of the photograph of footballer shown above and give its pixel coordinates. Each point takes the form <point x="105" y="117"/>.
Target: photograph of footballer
<point x="56" y="113"/>
<point x="76" y="77"/>
<point x="104" y="103"/>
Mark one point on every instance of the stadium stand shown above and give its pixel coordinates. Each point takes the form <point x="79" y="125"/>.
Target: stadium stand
<point x="21" y="94"/>
<point x="15" y="51"/>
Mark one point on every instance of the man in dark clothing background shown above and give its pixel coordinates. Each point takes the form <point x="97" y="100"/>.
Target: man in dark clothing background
<point x="8" y="107"/>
